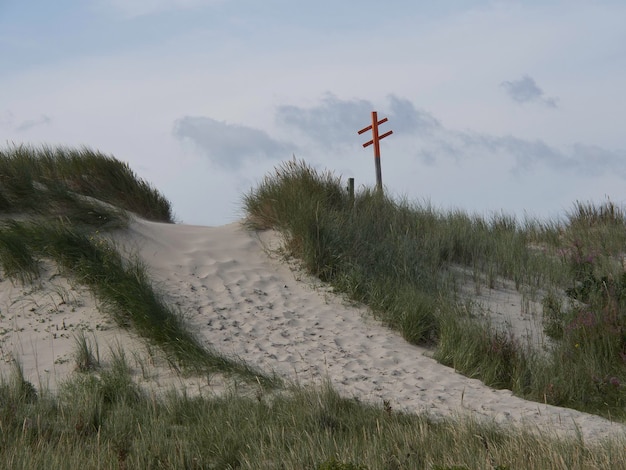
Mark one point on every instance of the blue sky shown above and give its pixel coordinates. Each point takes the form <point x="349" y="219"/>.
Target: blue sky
<point x="496" y="106"/>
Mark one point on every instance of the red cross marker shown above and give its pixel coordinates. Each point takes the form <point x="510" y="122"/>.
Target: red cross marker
<point x="376" y="141"/>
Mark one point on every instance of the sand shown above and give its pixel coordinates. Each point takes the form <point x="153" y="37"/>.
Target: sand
<point x="243" y="299"/>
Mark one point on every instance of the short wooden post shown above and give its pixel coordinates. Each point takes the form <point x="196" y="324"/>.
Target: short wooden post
<point x="351" y="191"/>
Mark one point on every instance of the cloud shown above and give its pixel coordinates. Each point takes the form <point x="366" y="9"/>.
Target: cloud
<point x="230" y="145"/>
<point x="136" y="8"/>
<point x="527" y="155"/>
<point x="331" y="123"/>
<point x="335" y="122"/>
<point x="592" y="160"/>
<point x="525" y="90"/>
<point x="418" y="135"/>
<point x="30" y="123"/>
<point x="405" y="117"/>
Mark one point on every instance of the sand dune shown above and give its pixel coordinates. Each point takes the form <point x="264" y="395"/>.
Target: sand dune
<point x="239" y="297"/>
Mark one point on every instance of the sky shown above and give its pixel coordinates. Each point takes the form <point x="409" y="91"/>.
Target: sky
<point x="514" y="107"/>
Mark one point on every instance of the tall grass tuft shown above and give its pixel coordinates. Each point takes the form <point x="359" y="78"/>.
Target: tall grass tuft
<point x="87" y="354"/>
<point x="56" y="180"/>
<point x="16" y="257"/>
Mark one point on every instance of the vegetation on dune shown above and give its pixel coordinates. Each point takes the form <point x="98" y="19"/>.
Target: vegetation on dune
<point x="61" y="191"/>
<point x="59" y="182"/>
<point x="103" y="420"/>
<point x="403" y="260"/>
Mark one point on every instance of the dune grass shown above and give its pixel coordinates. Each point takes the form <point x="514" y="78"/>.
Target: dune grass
<point x="120" y="283"/>
<point x="60" y="181"/>
<point x="401" y="259"/>
<point x="101" y="419"/>
<point x="48" y="217"/>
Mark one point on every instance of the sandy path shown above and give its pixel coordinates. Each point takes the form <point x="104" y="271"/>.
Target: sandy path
<point x="250" y="305"/>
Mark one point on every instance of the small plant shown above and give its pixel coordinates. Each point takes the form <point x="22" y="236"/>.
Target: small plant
<point x="21" y="390"/>
<point x="553" y="316"/>
<point x="86" y="355"/>
<point x="116" y="382"/>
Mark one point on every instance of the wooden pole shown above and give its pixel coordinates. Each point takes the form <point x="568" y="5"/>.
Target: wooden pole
<point x="375" y="138"/>
<point x="376" y="143"/>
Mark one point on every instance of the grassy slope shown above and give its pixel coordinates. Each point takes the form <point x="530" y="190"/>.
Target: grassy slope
<point x="400" y="259"/>
<point x="101" y="419"/>
<point x="105" y="422"/>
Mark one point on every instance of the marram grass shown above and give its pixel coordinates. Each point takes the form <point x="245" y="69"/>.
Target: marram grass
<point x="402" y="260"/>
<point x="49" y="187"/>
<point x="60" y="181"/>
<point x="101" y="419"/>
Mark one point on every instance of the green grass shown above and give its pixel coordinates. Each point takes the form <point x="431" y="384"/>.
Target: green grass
<point x="87" y="354"/>
<point x="45" y="184"/>
<point x="59" y="182"/>
<point x="403" y="260"/>
<point x="103" y="420"/>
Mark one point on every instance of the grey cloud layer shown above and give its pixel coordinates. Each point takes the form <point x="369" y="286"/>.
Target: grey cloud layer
<point x="229" y="145"/>
<point x="407" y="118"/>
<point x="334" y="123"/>
<point x="528" y="155"/>
<point x="526" y="90"/>
<point x="337" y="121"/>
<point x="331" y="123"/>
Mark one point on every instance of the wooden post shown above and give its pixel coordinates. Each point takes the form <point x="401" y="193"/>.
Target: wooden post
<point x="351" y="191"/>
<point x="376" y="139"/>
<point x="376" y="142"/>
